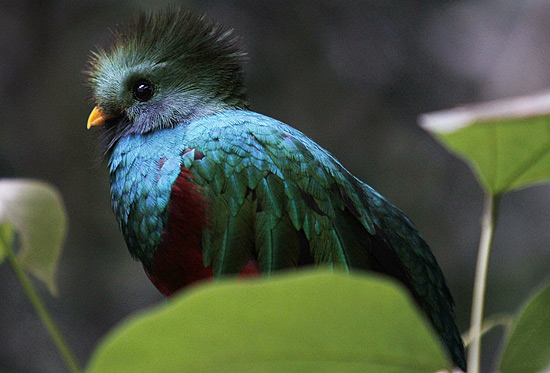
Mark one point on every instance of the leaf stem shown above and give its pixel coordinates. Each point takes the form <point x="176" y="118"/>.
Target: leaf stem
<point x="489" y="323"/>
<point x="40" y="309"/>
<point x="488" y="224"/>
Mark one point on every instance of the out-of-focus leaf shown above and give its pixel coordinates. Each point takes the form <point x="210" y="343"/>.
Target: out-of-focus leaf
<point x="528" y="347"/>
<point x="36" y="212"/>
<point x="506" y="142"/>
<point x="6" y="238"/>
<point x="306" y="321"/>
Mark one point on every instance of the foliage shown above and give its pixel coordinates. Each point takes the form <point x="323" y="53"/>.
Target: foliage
<point x="528" y="346"/>
<point x="6" y="238"/>
<point x="303" y="321"/>
<point x="507" y="144"/>
<point x="35" y="211"/>
<point x="506" y="153"/>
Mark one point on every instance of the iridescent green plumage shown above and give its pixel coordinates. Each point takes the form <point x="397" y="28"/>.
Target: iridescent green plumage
<point x="196" y="175"/>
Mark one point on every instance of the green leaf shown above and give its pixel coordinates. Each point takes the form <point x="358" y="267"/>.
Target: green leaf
<point x="528" y="348"/>
<point x="506" y="142"/>
<point x="302" y="321"/>
<point x="6" y="238"/>
<point x="36" y="212"/>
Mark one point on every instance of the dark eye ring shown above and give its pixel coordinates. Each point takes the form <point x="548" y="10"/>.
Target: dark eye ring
<point x="143" y="90"/>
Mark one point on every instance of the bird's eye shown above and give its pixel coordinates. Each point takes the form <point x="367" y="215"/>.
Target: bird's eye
<point x="143" y="90"/>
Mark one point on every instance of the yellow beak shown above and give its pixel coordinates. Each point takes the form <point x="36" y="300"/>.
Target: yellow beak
<point x="96" y="118"/>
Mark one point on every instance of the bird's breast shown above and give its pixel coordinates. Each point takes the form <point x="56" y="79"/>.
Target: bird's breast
<point x="141" y="177"/>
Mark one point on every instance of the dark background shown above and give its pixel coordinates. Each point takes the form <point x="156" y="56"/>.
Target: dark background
<point x="353" y="75"/>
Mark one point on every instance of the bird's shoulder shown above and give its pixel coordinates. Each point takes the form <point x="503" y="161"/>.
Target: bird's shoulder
<point x="240" y="139"/>
<point x="236" y="152"/>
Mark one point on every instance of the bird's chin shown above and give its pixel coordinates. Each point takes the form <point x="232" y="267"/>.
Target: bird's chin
<point x="112" y="131"/>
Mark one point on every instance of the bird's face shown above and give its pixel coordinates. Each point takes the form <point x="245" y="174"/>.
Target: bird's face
<point x="162" y="71"/>
<point x="141" y="95"/>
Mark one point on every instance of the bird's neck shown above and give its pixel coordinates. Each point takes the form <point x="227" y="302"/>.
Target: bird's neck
<point x="181" y="111"/>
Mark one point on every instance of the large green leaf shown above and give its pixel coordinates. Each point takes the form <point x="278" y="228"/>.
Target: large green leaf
<point x="35" y="210"/>
<point x="528" y="348"/>
<point x="506" y="142"/>
<point x="305" y="321"/>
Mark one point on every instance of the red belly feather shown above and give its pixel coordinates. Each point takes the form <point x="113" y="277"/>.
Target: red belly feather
<point x="178" y="261"/>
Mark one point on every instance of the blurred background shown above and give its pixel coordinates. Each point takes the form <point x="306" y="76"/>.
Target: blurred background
<point x="353" y="75"/>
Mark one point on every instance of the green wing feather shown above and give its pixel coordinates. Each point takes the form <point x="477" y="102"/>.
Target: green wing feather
<point x="270" y="186"/>
<point x="267" y="185"/>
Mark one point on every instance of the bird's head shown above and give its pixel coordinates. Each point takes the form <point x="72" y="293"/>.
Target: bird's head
<point x="162" y="70"/>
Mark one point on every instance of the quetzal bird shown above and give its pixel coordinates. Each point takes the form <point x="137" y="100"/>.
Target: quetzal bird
<point x="203" y="187"/>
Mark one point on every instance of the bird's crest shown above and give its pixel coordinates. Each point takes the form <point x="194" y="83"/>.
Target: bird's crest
<point x="192" y="45"/>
